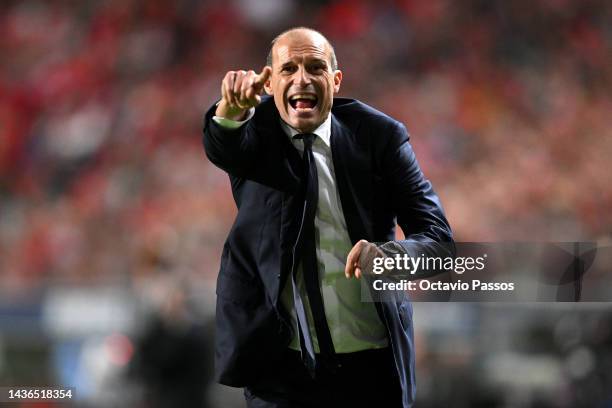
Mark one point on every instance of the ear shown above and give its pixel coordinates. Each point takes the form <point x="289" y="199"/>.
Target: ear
<point x="267" y="87"/>
<point x="337" y="80"/>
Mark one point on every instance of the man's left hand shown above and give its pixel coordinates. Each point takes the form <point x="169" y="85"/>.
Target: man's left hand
<point x="360" y="257"/>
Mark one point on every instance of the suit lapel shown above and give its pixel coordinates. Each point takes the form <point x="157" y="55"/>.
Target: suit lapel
<point x="288" y="169"/>
<point x="352" y="167"/>
<point x="285" y="162"/>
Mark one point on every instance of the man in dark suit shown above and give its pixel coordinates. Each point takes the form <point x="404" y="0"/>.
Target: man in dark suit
<point x="317" y="180"/>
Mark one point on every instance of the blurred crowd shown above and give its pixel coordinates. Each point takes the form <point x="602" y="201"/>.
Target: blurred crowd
<point x="102" y="174"/>
<point x="103" y="179"/>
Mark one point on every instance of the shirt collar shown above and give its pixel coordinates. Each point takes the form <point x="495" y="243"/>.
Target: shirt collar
<point x="323" y="131"/>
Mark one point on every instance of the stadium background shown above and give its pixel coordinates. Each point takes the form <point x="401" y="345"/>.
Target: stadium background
<point x="112" y="220"/>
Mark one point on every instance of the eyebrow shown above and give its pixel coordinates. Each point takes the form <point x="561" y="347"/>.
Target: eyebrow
<point x="313" y="61"/>
<point x="319" y="60"/>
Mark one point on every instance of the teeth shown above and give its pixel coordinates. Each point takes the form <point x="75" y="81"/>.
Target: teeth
<point x="303" y="96"/>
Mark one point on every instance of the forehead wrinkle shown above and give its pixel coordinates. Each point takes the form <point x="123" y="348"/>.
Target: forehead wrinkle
<point x="286" y="52"/>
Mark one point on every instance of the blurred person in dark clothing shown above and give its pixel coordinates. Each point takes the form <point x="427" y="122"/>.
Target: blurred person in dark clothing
<point x="172" y="357"/>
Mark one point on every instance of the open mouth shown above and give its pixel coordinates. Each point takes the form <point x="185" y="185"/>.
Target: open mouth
<point x="303" y="102"/>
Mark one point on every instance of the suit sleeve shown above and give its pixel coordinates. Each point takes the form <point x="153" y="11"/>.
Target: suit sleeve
<point x="233" y="150"/>
<point x="417" y="206"/>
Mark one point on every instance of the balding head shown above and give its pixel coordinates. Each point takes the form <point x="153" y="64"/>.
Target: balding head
<point x="304" y="78"/>
<point x="304" y="31"/>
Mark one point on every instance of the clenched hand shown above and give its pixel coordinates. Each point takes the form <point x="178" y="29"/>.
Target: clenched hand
<point x="361" y="258"/>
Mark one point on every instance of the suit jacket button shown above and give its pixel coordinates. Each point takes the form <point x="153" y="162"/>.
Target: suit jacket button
<point x="278" y="276"/>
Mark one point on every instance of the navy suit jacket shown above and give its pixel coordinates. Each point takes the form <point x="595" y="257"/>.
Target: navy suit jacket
<point x="380" y="185"/>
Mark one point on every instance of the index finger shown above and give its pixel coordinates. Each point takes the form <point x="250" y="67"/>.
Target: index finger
<point x="261" y="79"/>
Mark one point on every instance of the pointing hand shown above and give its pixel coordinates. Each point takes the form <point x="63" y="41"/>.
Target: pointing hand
<point x="240" y="91"/>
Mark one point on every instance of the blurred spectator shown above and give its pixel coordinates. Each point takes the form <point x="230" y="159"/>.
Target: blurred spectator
<point x="173" y="354"/>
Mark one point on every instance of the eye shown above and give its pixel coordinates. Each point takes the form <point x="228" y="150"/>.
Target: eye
<point x="318" y="67"/>
<point x="288" y="69"/>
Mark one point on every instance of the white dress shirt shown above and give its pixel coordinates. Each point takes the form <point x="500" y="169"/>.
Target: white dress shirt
<point x="354" y="325"/>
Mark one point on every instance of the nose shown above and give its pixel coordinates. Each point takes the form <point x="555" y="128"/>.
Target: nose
<point x="303" y="77"/>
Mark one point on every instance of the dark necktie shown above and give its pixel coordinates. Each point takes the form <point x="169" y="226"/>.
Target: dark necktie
<point x="306" y="244"/>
